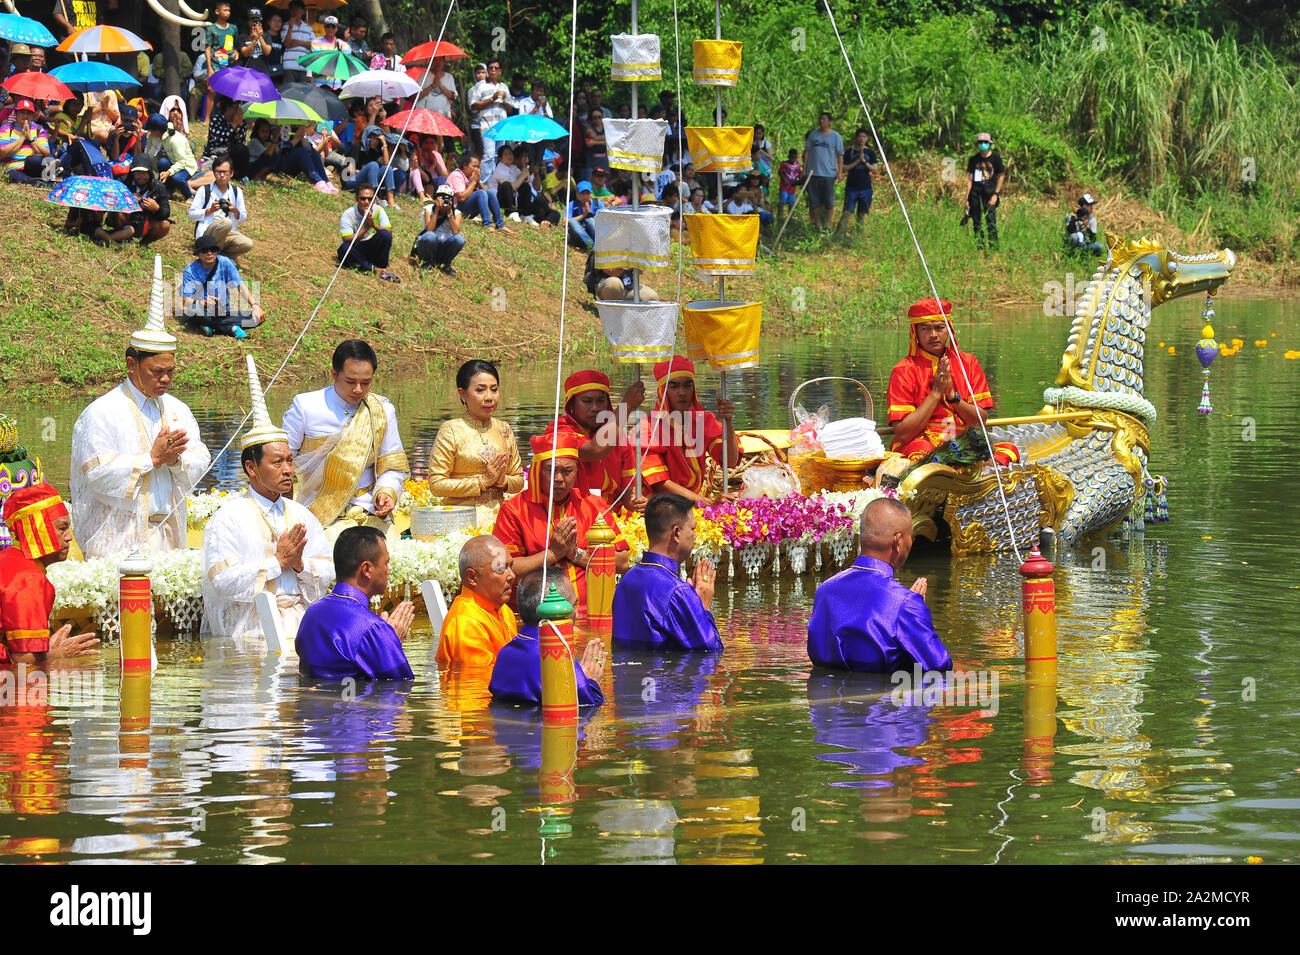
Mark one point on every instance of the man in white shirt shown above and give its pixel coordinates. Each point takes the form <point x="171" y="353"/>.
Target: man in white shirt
<point x="136" y="451"/>
<point x="537" y="103"/>
<point x="439" y="88"/>
<point x="218" y="208"/>
<point x="262" y="540"/>
<point x="348" y="454"/>
<point x="490" y="101"/>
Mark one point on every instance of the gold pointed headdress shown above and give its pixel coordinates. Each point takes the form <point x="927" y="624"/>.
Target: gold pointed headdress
<point x="260" y="430"/>
<point x="154" y="337"/>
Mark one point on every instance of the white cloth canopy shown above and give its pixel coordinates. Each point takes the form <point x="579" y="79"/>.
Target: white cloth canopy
<point x="239" y="562"/>
<point x="628" y="238"/>
<point x="636" y="144"/>
<point x="114" y="487"/>
<point x="636" y="57"/>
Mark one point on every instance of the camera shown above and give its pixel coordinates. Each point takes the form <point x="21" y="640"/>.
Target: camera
<point x="224" y="205"/>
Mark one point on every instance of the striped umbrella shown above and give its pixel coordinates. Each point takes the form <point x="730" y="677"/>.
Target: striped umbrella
<point x="89" y="76"/>
<point x="284" y="112"/>
<point x="333" y="63"/>
<point x="18" y="29"/>
<point x="103" y="39"/>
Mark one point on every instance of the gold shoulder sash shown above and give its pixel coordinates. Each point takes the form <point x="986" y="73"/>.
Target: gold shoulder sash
<point x="356" y="450"/>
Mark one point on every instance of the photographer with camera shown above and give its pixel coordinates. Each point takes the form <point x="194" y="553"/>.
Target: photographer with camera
<point x="373" y="236"/>
<point x="442" y="239"/>
<point x="261" y="47"/>
<point x="218" y="208"/>
<point x="1081" y="229"/>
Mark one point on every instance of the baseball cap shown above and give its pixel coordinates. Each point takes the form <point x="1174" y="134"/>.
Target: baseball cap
<point x="143" y="162"/>
<point x="598" y="170"/>
<point x="445" y="190"/>
<point x="330" y="21"/>
<point x="983" y="138"/>
<point x="156" y="121"/>
<point x="206" y="243"/>
<point x="584" y="186"/>
<point x="24" y="104"/>
<point x="254" y="14"/>
<point x="1088" y="199"/>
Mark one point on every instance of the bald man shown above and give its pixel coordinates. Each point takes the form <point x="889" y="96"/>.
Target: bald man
<point x="480" y="621"/>
<point x="864" y="619"/>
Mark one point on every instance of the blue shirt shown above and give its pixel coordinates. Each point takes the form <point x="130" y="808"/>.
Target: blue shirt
<point x="517" y="674"/>
<point x="864" y="619"/>
<point x="340" y="637"/>
<point x="225" y="281"/>
<point x="654" y="609"/>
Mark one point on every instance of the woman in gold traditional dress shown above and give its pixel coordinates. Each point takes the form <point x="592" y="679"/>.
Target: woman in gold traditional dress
<point x="475" y="460"/>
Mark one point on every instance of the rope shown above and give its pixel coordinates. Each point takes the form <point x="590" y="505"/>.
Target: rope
<point x="952" y="334"/>
<point x="1116" y="401"/>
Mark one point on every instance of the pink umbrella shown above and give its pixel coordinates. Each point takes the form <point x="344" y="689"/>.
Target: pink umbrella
<point x="423" y="121"/>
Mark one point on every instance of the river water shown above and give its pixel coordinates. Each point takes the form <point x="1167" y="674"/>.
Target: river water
<point x="1169" y="736"/>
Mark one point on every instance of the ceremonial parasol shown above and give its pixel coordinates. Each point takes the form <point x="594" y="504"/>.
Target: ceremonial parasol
<point x="423" y="121"/>
<point x="333" y="63"/>
<point x="386" y="84"/>
<point x="284" y="112"/>
<point x="426" y="52"/>
<point x="525" y="128"/>
<point x="103" y="39"/>
<point x="18" y="29"/>
<point x="319" y="98"/>
<point x="93" y="192"/>
<point x="89" y="76"/>
<point x="40" y="86"/>
<point x="243" y="84"/>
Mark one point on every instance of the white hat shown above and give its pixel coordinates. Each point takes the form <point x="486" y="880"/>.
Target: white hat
<point x="153" y="337"/>
<point x="260" y="431"/>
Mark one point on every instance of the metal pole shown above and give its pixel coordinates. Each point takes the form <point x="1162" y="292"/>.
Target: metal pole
<point x="722" y="281"/>
<point x="636" y="176"/>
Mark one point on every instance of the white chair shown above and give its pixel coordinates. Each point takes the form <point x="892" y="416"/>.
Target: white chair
<point x="269" y="615"/>
<point x="436" y="604"/>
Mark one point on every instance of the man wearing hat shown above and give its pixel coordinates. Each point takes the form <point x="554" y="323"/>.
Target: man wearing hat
<point x="330" y="41"/>
<point x="136" y="451"/>
<point x="24" y="144"/>
<point x="214" y="295"/>
<point x="20" y="57"/>
<point x="562" y="543"/>
<point x="262" y="540"/>
<point x="42" y="530"/>
<point x="442" y="238"/>
<point x="985" y="174"/>
<point x="938" y="391"/>
<point x="153" y="221"/>
<point x="1081" y="228"/>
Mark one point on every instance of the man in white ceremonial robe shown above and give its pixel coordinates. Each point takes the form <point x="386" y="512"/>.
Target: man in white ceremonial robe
<point x="262" y="540"/>
<point x="347" y="450"/>
<point x="136" y="451"/>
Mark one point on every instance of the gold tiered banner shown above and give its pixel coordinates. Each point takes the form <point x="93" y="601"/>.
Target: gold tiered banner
<point x="639" y="331"/>
<point x="717" y="62"/>
<point x="636" y="57"/>
<point x="723" y="333"/>
<point x="636" y="145"/>
<point x="628" y="238"/>
<point x="720" y="148"/>
<point x="723" y="244"/>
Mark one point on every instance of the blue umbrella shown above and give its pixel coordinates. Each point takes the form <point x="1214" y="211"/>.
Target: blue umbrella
<point x="244" y="84"/>
<point x="89" y="76"/>
<point x="18" y="29"/>
<point x="526" y="128"/>
<point x="93" y="192"/>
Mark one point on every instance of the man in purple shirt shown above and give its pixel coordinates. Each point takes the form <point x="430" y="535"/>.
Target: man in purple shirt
<point x="340" y="636"/>
<point x="864" y="619"/>
<point x="654" y="609"/>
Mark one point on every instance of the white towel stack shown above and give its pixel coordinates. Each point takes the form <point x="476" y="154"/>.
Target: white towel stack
<point x="851" y="438"/>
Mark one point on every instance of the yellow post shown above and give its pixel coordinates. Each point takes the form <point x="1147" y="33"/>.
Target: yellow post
<point x="1039" y="594"/>
<point x="559" y="701"/>
<point x="136" y="602"/>
<point x="133" y="727"/>
<point x="600" y="577"/>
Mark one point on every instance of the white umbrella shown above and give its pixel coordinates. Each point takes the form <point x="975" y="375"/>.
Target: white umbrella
<point x="386" y="84"/>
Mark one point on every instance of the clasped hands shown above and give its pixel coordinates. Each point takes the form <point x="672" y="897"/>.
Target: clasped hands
<point x="290" y="546"/>
<point x="168" y="446"/>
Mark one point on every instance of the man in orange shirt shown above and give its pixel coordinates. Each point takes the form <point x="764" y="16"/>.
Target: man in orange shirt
<point x="521" y="523"/>
<point x="932" y="398"/>
<point x="479" y="622"/>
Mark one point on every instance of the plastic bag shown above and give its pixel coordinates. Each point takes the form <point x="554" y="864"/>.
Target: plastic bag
<point x="803" y="436"/>
<point x="768" y="480"/>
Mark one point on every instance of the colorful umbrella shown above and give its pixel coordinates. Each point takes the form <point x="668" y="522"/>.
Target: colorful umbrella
<point x="427" y="51"/>
<point x="88" y="75"/>
<point x="318" y="98"/>
<point x="525" y="128"/>
<point x="93" y="192"/>
<point x="243" y="84"/>
<point x="103" y="40"/>
<point x="423" y="121"/>
<point x="18" y="29"/>
<point x="386" y="84"/>
<point x="333" y="63"/>
<point x="284" y="112"/>
<point x="40" y="86"/>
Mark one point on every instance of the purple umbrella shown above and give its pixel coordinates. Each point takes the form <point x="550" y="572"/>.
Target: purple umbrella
<point x="93" y="192"/>
<point x="243" y="84"/>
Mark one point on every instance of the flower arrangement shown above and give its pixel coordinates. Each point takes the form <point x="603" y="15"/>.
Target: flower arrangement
<point x="200" y="507"/>
<point x="89" y="584"/>
<point x="416" y="494"/>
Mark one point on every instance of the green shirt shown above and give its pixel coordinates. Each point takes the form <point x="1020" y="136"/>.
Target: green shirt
<point x="221" y="42"/>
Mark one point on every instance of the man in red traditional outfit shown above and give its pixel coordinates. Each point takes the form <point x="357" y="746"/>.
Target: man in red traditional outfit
<point x="605" y="460"/>
<point x="682" y="435"/>
<point x="521" y="522"/>
<point x="933" y="399"/>
<point x="40" y="524"/>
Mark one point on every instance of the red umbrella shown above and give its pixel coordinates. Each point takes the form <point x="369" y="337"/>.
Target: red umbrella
<point x="427" y="51"/>
<point x="423" y="121"/>
<point x="40" y="86"/>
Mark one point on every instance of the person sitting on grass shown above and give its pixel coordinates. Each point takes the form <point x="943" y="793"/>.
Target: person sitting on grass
<point x="428" y="169"/>
<point x="90" y="224"/>
<point x="368" y="225"/>
<point x="510" y="183"/>
<point x="214" y="295"/>
<point x="24" y="144"/>
<point x="153" y="221"/>
<point x="300" y="155"/>
<point x="471" y="198"/>
<point x="582" y="218"/>
<point x="442" y="239"/>
<point x="169" y="142"/>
